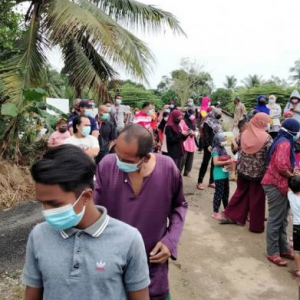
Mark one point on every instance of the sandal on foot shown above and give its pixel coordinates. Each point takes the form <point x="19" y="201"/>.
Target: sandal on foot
<point x="277" y="260"/>
<point x="217" y="216"/>
<point x="200" y="186"/>
<point x="288" y="255"/>
<point x="227" y="221"/>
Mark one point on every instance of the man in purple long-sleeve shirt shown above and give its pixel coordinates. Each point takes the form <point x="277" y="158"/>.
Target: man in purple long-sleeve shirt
<point x="144" y="190"/>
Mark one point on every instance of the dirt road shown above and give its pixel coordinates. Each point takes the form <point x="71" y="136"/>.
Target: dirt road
<point x="215" y="261"/>
<point x="224" y="261"/>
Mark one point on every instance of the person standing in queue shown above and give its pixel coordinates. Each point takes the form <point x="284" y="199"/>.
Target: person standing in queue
<point x="80" y="252"/>
<point x="211" y="126"/>
<point x="86" y="110"/>
<point x="144" y="190"/>
<point x="107" y="133"/>
<point x="175" y="136"/>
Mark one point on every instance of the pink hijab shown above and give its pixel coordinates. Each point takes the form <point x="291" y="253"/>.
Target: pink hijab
<point x="204" y="103"/>
<point x="254" y="138"/>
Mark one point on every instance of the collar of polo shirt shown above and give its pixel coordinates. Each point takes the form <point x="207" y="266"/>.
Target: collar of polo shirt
<point x="95" y="230"/>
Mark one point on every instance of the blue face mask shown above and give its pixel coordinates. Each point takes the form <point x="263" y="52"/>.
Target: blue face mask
<point x="105" y="116"/>
<point x="86" y="130"/>
<point x="150" y="112"/>
<point x="295" y="137"/>
<point x="128" y="168"/>
<point x="88" y="112"/>
<point x="63" y="218"/>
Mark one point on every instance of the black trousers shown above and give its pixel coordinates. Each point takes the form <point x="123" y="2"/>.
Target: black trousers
<point x="204" y="166"/>
<point x="221" y="194"/>
<point x="179" y="163"/>
<point x="188" y="162"/>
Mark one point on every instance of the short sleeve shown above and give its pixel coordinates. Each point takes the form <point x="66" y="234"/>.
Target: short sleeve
<point x="95" y="142"/>
<point x="214" y="154"/>
<point x="136" y="275"/>
<point x="94" y="124"/>
<point x="31" y="273"/>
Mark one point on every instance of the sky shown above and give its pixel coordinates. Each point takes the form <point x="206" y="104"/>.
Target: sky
<point x="227" y="37"/>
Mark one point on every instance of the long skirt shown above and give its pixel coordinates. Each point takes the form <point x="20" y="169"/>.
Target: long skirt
<point x="248" y="197"/>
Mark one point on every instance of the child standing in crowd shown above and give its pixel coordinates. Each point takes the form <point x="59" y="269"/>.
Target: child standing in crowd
<point x="58" y="137"/>
<point x="294" y="199"/>
<point x="221" y="174"/>
<point x="236" y="146"/>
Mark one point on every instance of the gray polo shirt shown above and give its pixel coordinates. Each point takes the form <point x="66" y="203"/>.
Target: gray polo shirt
<point x="104" y="261"/>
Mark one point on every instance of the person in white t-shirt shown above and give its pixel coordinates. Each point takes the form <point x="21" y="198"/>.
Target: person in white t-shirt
<point x="82" y="138"/>
<point x="294" y="199"/>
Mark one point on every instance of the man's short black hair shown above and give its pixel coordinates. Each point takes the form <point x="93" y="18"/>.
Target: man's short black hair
<point x="242" y="123"/>
<point x="65" y="165"/>
<point x="77" y="121"/>
<point x="145" y="104"/>
<point x="237" y="99"/>
<point x="61" y="121"/>
<point x="140" y="134"/>
<point x="294" y="183"/>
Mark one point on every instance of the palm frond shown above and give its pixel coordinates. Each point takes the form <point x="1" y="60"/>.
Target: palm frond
<point x="66" y="19"/>
<point x="136" y="15"/>
<point x="26" y="68"/>
<point x="84" y="66"/>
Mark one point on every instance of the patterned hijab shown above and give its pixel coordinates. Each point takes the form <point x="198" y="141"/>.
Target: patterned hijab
<point x="213" y="122"/>
<point x="217" y="147"/>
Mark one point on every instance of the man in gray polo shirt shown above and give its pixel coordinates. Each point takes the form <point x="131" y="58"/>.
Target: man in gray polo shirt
<point x="80" y="252"/>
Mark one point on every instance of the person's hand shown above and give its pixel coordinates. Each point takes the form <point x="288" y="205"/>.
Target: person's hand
<point x="209" y="148"/>
<point x="191" y="133"/>
<point x="185" y="133"/>
<point x="160" y="254"/>
<point x="296" y="172"/>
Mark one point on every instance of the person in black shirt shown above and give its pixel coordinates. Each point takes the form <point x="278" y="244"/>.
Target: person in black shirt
<point x="107" y="133"/>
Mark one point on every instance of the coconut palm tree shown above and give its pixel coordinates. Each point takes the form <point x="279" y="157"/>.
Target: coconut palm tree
<point x="95" y="40"/>
<point x="252" y="81"/>
<point x="230" y="83"/>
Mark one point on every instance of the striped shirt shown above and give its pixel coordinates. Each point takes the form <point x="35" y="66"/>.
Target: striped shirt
<point x="141" y="118"/>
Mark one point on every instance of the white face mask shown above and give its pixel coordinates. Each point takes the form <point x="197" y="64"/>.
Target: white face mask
<point x="166" y="119"/>
<point x="272" y="101"/>
<point x="192" y="117"/>
<point x="223" y="144"/>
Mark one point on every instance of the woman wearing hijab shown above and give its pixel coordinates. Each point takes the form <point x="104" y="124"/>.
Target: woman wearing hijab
<point x="294" y="105"/>
<point x="162" y="125"/>
<point x="205" y="103"/>
<point x="261" y="105"/>
<point x="175" y="137"/>
<point x="275" y="114"/>
<point x="211" y="126"/>
<point x="189" y="123"/>
<point x="281" y="163"/>
<point x="249" y="195"/>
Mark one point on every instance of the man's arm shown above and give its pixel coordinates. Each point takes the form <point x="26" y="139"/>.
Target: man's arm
<point x="95" y="133"/>
<point x="176" y="216"/>
<point x="93" y="152"/>
<point x="32" y="293"/>
<point x="139" y="295"/>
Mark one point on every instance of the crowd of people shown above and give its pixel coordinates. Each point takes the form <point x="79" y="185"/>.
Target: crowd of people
<point x="112" y="192"/>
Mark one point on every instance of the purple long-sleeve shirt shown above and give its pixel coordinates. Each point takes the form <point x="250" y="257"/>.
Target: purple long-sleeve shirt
<point x="160" y="199"/>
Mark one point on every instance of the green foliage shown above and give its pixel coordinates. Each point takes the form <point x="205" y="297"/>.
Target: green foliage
<point x="168" y="95"/>
<point x="230" y="82"/>
<point x="223" y="96"/>
<point x="253" y="81"/>
<point x="135" y="95"/>
<point x="248" y="97"/>
<point x="10" y="30"/>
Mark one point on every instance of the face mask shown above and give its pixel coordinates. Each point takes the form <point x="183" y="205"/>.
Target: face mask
<point x="167" y="110"/>
<point x="294" y="101"/>
<point x="223" y="144"/>
<point x="190" y="104"/>
<point x="86" y="130"/>
<point x="62" y="130"/>
<point x="272" y="101"/>
<point x="63" y="218"/>
<point x="177" y="121"/>
<point x="119" y="101"/>
<point x="150" y="112"/>
<point x="166" y="119"/>
<point x="218" y="117"/>
<point x="128" y="168"/>
<point x="192" y="117"/>
<point x="109" y="109"/>
<point x="88" y="112"/>
<point x="172" y="105"/>
<point x="295" y="137"/>
<point x="105" y="116"/>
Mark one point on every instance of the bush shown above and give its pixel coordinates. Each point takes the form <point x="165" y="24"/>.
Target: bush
<point x="223" y="96"/>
